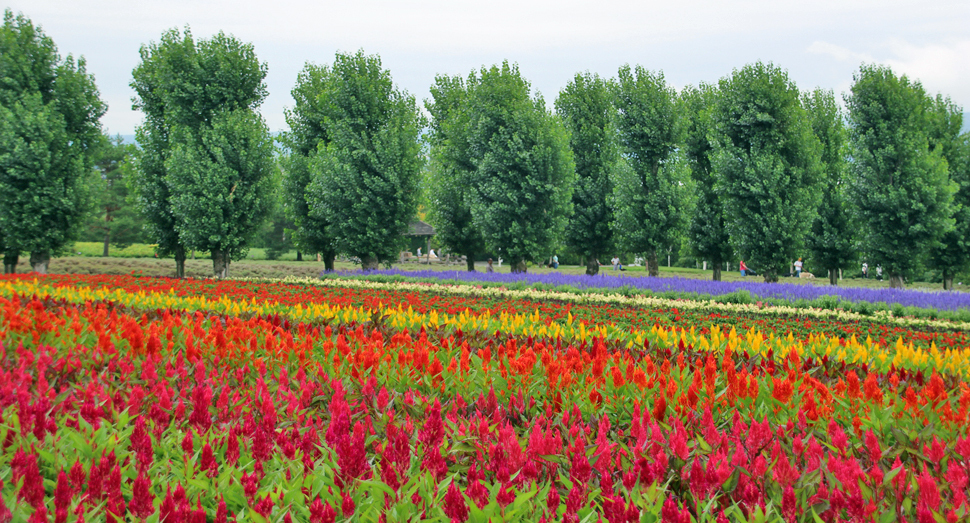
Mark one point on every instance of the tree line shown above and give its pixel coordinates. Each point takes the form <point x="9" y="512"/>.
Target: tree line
<point x="746" y="168"/>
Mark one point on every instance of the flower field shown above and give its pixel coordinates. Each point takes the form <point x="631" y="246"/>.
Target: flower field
<point x="137" y="399"/>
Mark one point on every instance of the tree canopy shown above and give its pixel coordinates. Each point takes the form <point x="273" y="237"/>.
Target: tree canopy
<point x="707" y="231"/>
<point x="49" y="127"/>
<point x="586" y="108"/>
<point x="767" y="161"/>
<point x="203" y="147"/>
<point x="114" y="220"/>
<point x="832" y="238"/>
<point x="652" y="197"/>
<point x="898" y="186"/>
<point x="522" y="183"/>
<point x="365" y="174"/>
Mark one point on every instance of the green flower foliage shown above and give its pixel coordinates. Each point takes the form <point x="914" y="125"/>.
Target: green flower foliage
<point x="767" y="160"/>
<point x="586" y="108"/>
<point x="365" y="173"/>
<point x="898" y="186"/>
<point x="49" y="112"/>
<point x="652" y="196"/>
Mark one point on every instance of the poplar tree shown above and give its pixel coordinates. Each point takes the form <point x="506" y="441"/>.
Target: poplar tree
<point x="832" y="239"/>
<point x="898" y="185"/>
<point x="767" y="163"/>
<point x="707" y="232"/>
<point x="451" y="165"/>
<point x="205" y="159"/>
<point x="365" y="176"/>
<point x="586" y="108"/>
<point x="49" y="129"/>
<point x="522" y="184"/>
<point x="651" y="198"/>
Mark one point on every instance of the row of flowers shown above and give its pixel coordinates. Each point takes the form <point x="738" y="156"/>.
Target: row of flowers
<point x="153" y="407"/>
<point x="788" y="292"/>
<point x="910" y="350"/>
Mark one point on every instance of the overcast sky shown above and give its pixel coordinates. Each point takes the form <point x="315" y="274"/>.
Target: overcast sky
<point x="820" y="43"/>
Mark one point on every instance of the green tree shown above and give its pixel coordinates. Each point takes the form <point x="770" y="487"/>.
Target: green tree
<point x="832" y="239"/>
<point x="114" y="219"/>
<point x="188" y="92"/>
<point x="707" y="232"/>
<point x="898" y="186"/>
<point x="365" y="178"/>
<point x="521" y="188"/>
<point x="586" y="108"/>
<point x="768" y="167"/>
<point x="652" y="198"/>
<point x="220" y="178"/>
<point x="951" y="253"/>
<point x="449" y="195"/>
<point x="49" y="112"/>
<point x="309" y="122"/>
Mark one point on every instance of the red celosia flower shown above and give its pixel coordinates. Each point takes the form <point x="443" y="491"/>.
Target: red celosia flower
<point x="347" y="506"/>
<point x="454" y="505"/>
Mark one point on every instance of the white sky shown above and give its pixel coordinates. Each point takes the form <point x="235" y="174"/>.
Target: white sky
<point x="820" y="43"/>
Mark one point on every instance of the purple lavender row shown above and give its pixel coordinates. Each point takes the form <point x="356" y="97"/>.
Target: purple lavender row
<point x="784" y="291"/>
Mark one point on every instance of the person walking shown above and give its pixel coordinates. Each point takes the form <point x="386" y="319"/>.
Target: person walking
<point x="555" y="261"/>
<point x="879" y="272"/>
<point x="865" y="270"/>
<point x="616" y="263"/>
<point x="489" y="268"/>
<point x="798" y="268"/>
<point x="743" y="267"/>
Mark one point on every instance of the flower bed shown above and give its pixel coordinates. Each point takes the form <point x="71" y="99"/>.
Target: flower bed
<point x="160" y="400"/>
<point x="785" y="292"/>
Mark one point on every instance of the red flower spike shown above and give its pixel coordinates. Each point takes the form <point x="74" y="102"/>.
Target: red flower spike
<point x="63" y="491"/>
<point x="39" y="515"/>
<point x="347" y="506"/>
<point x="454" y="504"/>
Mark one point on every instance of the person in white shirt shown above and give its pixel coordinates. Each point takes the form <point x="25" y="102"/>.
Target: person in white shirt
<point x="798" y="268"/>
<point x="616" y="263"/>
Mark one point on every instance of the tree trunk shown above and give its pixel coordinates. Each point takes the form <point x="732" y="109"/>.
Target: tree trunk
<point x="834" y="276"/>
<point x="328" y="259"/>
<point x="519" y="267"/>
<point x="717" y="272"/>
<point x="771" y="276"/>
<point x="896" y="281"/>
<point x="592" y="266"/>
<point x="10" y="263"/>
<point x="369" y="263"/>
<point x="470" y="263"/>
<point x="179" y="262"/>
<point x="299" y="256"/>
<point x="220" y="263"/>
<point x="653" y="268"/>
<point x="107" y="242"/>
<point x="40" y="260"/>
<point x="947" y="280"/>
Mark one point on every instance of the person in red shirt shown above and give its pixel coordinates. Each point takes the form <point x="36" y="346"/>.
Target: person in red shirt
<point x="743" y="267"/>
